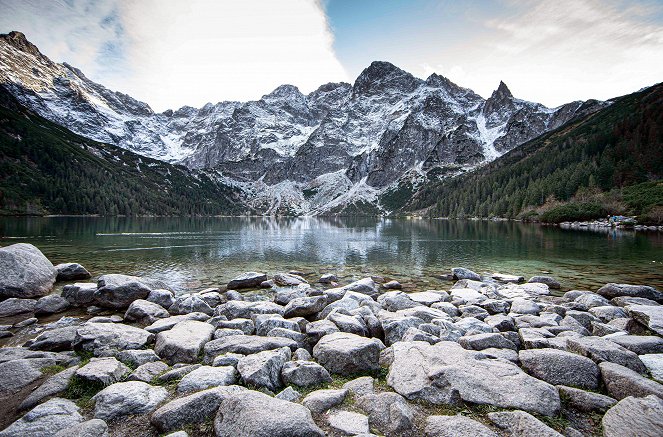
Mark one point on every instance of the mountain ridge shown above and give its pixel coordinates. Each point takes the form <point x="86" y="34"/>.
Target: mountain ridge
<point x="295" y="153"/>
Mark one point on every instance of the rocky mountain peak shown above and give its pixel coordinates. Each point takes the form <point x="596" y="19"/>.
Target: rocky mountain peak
<point x="20" y="42"/>
<point x="502" y="92"/>
<point x="500" y="100"/>
<point x="284" y="91"/>
<point x="382" y="76"/>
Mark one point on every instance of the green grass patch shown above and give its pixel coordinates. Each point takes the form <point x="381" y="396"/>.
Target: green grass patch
<point x="52" y="370"/>
<point x="82" y="391"/>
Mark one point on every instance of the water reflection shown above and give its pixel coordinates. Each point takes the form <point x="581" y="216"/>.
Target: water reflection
<point x="196" y="252"/>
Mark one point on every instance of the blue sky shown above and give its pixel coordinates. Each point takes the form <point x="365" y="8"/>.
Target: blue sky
<point x="170" y="53"/>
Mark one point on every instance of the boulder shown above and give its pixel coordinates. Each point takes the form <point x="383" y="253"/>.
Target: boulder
<point x="590" y="300"/>
<point x="586" y="401"/>
<point x="607" y="313"/>
<point x="17" y="375"/>
<point x="263" y="369"/>
<point x="548" y="280"/>
<point x="521" y="305"/>
<point x="184" y="342"/>
<point x="89" y="428"/>
<point x="245" y="345"/>
<point x="205" y="377"/>
<point x="445" y="373"/>
<point x="513" y="279"/>
<point x="288" y="280"/>
<point x="304" y="373"/>
<point x="50" y="305"/>
<point x="648" y="315"/>
<point x="127" y="398"/>
<point x="456" y="426"/>
<point x="58" y="339"/>
<point x="103" y="371"/>
<point x="600" y="350"/>
<point x="521" y="424"/>
<point x="348" y="423"/>
<point x="148" y="371"/>
<point x="237" y="309"/>
<point x="190" y="303"/>
<point x="145" y="312"/>
<point x="26" y="272"/>
<point x="15" y="306"/>
<point x="320" y="401"/>
<point x="46" y="419"/>
<point x="71" y="272"/>
<point x="396" y="327"/>
<point x="161" y="325"/>
<point x="360" y="386"/>
<point x="305" y="306"/>
<point x="327" y="278"/>
<point x="654" y="364"/>
<point x="266" y="322"/>
<point x="245" y="325"/>
<point x="118" y="291"/>
<point x="288" y="394"/>
<point x="80" y="294"/>
<point x="613" y="290"/>
<point x="388" y="412"/>
<point x="634" y="417"/>
<point x="162" y="297"/>
<point x="347" y="323"/>
<point x="640" y="344"/>
<point x="247" y="280"/>
<point x="344" y="353"/>
<point x="622" y="382"/>
<point x="463" y="273"/>
<point x="560" y="368"/>
<point x="102" y="337"/>
<point x="135" y="358"/>
<point x="54" y="385"/>
<point x="484" y="341"/>
<point x="528" y="290"/>
<point x="177" y="372"/>
<point x="428" y="298"/>
<point x="254" y="414"/>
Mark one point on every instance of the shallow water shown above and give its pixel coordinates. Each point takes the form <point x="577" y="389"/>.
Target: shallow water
<point x="193" y="253"/>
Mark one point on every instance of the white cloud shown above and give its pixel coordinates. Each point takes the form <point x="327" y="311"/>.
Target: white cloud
<point x="170" y="53"/>
<point x="555" y="51"/>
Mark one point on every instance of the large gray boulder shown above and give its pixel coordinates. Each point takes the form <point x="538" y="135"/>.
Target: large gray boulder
<point x="162" y="297"/>
<point x="26" y="272"/>
<point x="101" y="338"/>
<point x="654" y="364"/>
<point x="456" y="426"/>
<point x="648" y="315"/>
<point x="548" y="280"/>
<point x="71" y="272"/>
<point x="635" y="417"/>
<point x="254" y="414"/>
<point x="45" y="420"/>
<point x="305" y="306"/>
<point x="127" y="398"/>
<point x="238" y="309"/>
<point x="195" y="408"/>
<point x="89" y="428"/>
<point x="622" y="382"/>
<point x="207" y="376"/>
<point x="148" y="371"/>
<point x="263" y="369"/>
<point x="190" y="303"/>
<point x="640" y="344"/>
<point x="52" y="386"/>
<point x="17" y="375"/>
<point x="245" y="345"/>
<point x="586" y="401"/>
<point x="345" y="354"/>
<point x="80" y="293"/>
<point x="560" y="368"/>
<point x="104" y="371"/>
<point x="247" y="280"/>
<point x="145" y="312"/>
<point x="51" y="304"/>
<point x="15" y="306"/>
<point x="118" y="291"/>
<point x="168" y="323"/>
<point x="521" y="424"/>
<point x="484" y="341"/>
<point x="136" y="358"/>
<point x="600" y="349"/>
<point x="463" y="273"/>
<point x="445" y="373"/>
<point x="304" y="373"/>
<point x="183" y="343"/>
<point x="320" y="401"/>
<point x="613" y="290"/>
<point x="390" y="413"/>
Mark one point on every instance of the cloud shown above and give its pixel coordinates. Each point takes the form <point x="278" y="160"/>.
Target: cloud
<point x="170" y="53"/>
<point x="555" y="51"/>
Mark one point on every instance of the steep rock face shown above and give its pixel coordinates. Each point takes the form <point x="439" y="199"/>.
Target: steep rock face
<point x="291" y="152"/>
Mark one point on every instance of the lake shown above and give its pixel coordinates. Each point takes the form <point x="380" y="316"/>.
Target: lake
<point x="194" y="253"/>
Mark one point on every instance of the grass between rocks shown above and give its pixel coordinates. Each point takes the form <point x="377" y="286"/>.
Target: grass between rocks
<point x="82" y="391"/>
<point x="52" y="370"/>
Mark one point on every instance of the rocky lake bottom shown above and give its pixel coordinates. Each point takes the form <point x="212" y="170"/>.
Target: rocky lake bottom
<point x="305" y="354"/>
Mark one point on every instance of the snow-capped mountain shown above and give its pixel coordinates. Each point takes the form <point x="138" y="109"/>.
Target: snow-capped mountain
<point x="340" y="145"/>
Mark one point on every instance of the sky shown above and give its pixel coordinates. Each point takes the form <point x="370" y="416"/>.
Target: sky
<point x="171" y="53"/>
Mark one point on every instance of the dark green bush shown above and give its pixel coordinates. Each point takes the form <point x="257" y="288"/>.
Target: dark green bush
<point x="573" y="211"/>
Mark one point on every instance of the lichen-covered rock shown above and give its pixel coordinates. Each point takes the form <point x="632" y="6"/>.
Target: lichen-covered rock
<point x="184" y="342"/>
<point x="46" y="419"/>
<point x="560" y="368"/>
<point x="521" y="424"/>
<point x="586" y="401"/>
<point x="26" y="272"/>
<point x="304" y="373"/>
<point x="205" y="377"/>
<point x="104" y="371"/>
<point x="263" y="369"/>
<point x="100" y="338"/>
<point x="127" y="398"/>
<point x="89" y="428"/>
<point x="320" y="401"/>
<point x="622" y="382"/>
<point x="388" y="412"/>
<point x="600" y="350"/>
<point x="344" y="353"/>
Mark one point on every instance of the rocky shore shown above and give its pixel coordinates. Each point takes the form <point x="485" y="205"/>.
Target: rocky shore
<point x="491" y="355"/>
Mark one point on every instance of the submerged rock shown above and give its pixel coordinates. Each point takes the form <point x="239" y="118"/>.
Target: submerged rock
<point x="71" y="272"/>
<point x="613" y="290"/>
<point x="247" y="280"/>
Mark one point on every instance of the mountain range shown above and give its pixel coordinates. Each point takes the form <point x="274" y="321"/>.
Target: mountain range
<point x="342" y="148"/>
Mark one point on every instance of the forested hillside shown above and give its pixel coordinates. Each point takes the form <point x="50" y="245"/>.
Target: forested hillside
<point x="578" y="171"/>
<point x="46" y="169"/>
